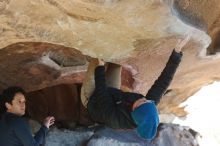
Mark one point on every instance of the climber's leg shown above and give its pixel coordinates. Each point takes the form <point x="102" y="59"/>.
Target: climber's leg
<point x="88" y="85"/>
<point x="113" y="75"/>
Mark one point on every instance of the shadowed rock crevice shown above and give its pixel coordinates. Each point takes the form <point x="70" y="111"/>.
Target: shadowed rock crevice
<point x="214" y="47"/>
<point x="66" y="61"/>
<point x="61" y="101"/>
<point x="39" y="65"/>
<point x="183" y="11"/>
<point x="197" y="13"/>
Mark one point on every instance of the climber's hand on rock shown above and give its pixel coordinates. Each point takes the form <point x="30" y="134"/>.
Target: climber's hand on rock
<point x="182" y="42"/>
<point x="101" y="62"/>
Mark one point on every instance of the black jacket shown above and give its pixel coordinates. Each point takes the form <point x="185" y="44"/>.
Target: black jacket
<point x="112" y="107"/>
<point x="14" y="131"/>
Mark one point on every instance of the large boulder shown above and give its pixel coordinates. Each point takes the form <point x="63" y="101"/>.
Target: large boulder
<point x="46" y="42"/>
<point x="168" y="135"/>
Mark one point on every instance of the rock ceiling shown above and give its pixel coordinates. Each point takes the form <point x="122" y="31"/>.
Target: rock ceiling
<point x="48" y="42"/>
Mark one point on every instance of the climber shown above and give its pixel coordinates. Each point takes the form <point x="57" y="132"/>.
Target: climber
<point x="14" y="130"/>
<point x="126" y="110"/>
